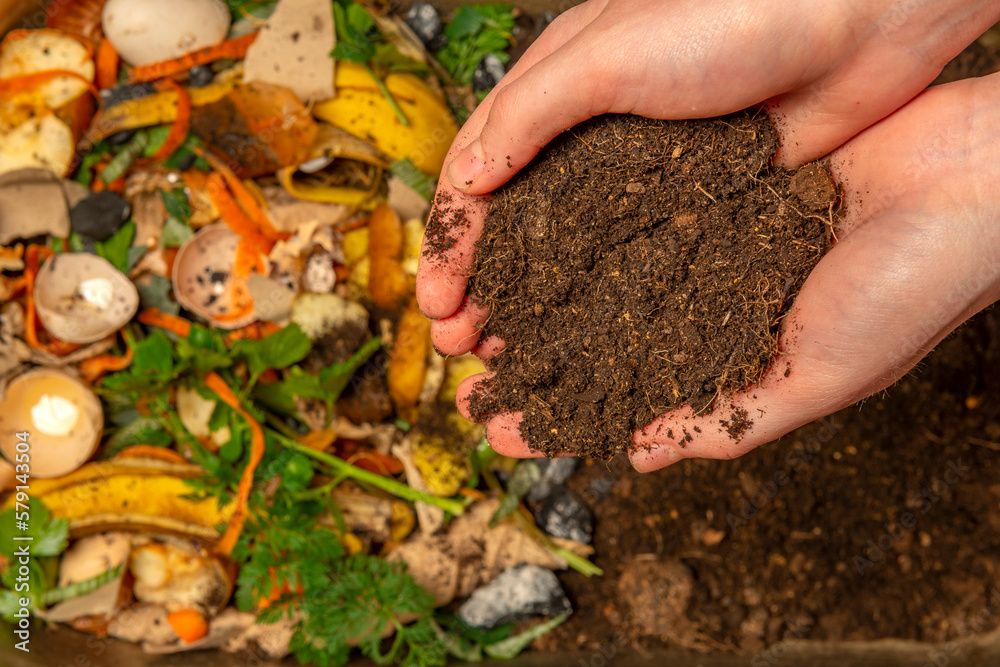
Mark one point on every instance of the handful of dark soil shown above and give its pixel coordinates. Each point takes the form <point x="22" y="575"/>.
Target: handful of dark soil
<point x="637" y="266"/>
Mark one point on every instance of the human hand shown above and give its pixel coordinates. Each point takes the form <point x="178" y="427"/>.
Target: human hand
<point x="816" y="100"/>
<point x="918" y="253"/>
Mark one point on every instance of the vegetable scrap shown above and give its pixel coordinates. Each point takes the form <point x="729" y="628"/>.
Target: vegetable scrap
<point x="239" y="433"/>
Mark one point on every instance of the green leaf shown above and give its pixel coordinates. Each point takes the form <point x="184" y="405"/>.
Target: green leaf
<point x="297" y="474"/>
<point x="154" y="292"/>
<point x="157" y="137"/>
<point x="510" y="648"/>
<point x="175" y="233"/>
<point x="140" y="431"/>
<point x="202" y="360"/>
<point x="176" y="203"/>
<point x="279" y="350"/>
<point x="116" y="248"/>
<point x="525" y="475"/>
<point x="153" y="356"/>
<point x="413" y="177"/>
<point x="120" y="163"/>
<point x="465" y="21"/>
<point x="49" y="536"/>
<point x="75" y="242"/>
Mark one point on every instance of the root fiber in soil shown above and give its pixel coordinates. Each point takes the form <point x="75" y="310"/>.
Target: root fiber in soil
<point x="637" y="266"/>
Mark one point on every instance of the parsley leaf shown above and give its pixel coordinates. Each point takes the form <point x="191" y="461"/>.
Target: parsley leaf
<point x="117" y="249"/>
<point x="282" y="348"/>
<point x="473" y="33"/>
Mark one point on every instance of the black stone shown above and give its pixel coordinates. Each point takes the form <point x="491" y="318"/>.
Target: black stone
<point x="126" y="92"/>
<point x="100" y="215"/>
<point x="120" y="138"/>
<point x="425" y="22"/>
<point x="565" y="515"/>
<point x="200" y="76"/>
<point x="488" y="73"/>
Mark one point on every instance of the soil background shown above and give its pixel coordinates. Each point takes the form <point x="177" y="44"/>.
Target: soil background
<point x="883" y="520"/>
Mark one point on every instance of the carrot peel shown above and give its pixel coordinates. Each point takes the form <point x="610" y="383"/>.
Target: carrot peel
<point x="229" y="539"/>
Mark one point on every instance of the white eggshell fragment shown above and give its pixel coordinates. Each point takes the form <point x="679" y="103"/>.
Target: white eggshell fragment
<point x="82" y="298"/>
<point x="57" y="440"/>
<point x="149" y="31"/>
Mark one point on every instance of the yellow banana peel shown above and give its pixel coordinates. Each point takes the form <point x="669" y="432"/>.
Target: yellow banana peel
<point x="361" y="109"/>
<point x="139" y="495"/>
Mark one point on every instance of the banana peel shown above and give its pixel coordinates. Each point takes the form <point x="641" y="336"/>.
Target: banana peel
<point x="361" y="109"/>
<point x="156" y="109"/>
<point x="143" y="495"/>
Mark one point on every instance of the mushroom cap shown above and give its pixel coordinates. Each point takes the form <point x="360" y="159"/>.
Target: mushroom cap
<point x="204" y="281"/>
<point x="149" y="31"/>
<point x="82" y="298"/>
<point x="50" y="389"/>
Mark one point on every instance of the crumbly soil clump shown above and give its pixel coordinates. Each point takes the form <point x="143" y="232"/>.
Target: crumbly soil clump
<point x="637" y="266"/>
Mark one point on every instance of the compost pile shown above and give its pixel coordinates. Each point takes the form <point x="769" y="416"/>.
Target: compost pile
<point x="638" y="266"/>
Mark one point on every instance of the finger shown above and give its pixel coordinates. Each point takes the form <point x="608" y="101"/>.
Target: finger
<point x="489" y="347"/>
<point x="448" y="251"/>
<point x="503" y="432"/>
<point x="456" y="335"/>
<point x="463" y="393"/>
<point x="455" y="222"/>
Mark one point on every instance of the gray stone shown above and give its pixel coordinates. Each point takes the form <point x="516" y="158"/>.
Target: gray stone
<point x="564" y="514"/>
<point x="424" y="21"/>
<point x="488" y="73"/>
<point x="555" y="472"/>
<point x="520" y="592"/>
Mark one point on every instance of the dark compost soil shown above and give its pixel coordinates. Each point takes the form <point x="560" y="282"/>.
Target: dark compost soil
<point x="637" y="266"/>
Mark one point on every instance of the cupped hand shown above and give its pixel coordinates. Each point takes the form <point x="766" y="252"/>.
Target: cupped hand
<point x="918" y="254"/>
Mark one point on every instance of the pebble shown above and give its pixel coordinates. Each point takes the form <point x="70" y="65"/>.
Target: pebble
<point x="425" y="22"/>
<point x="200" y="76"/>
<point x="519" y="593"/>
<point x="488" y="73"/>
<point x="100" y="215"/>
<point x="564" y="514"/>
<point x="126" y="92"/>
<point x="555" y="472"/>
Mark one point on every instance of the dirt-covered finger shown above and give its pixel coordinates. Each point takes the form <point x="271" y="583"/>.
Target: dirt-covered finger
<point x="456" y="335"/>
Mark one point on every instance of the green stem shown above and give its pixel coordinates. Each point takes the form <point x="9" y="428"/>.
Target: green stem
<point x="389" y="98"/>
<point x="386" y="484"/>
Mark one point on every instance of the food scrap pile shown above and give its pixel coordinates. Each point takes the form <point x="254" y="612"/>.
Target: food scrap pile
<point x="222" y="420"/>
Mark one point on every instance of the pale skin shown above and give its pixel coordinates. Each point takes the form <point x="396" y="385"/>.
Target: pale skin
<point x="918" y="251"/>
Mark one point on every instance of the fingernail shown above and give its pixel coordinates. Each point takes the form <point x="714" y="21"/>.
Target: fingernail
<point x="467" y="166"/>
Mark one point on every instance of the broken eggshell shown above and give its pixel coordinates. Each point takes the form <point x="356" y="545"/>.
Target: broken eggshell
<point x="62" y="416"/>
<point x="149" y="31"/>
<point x="82" y="298"/>
<point x="204" y="281"/>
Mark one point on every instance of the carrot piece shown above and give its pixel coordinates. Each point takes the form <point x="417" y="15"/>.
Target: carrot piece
<point x="150" y="452"/>
<point x="189" y="624"/>
<point x="257" y="446"/>
<point x="179" y="130"/>
<point x="23" y="82"/>
<point x="94" y="368"/>
<point x="157" y="318"/>
<point x="277" y="591"/>
<point x="107" y="65"/>
<point x="234" y="215"/>
<point x="234" y="49"/>
<point x="244" y="197"/>
<point x="254" y="331"/>
<point x="245" y="309"/>
<point x="248" y="259"/>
